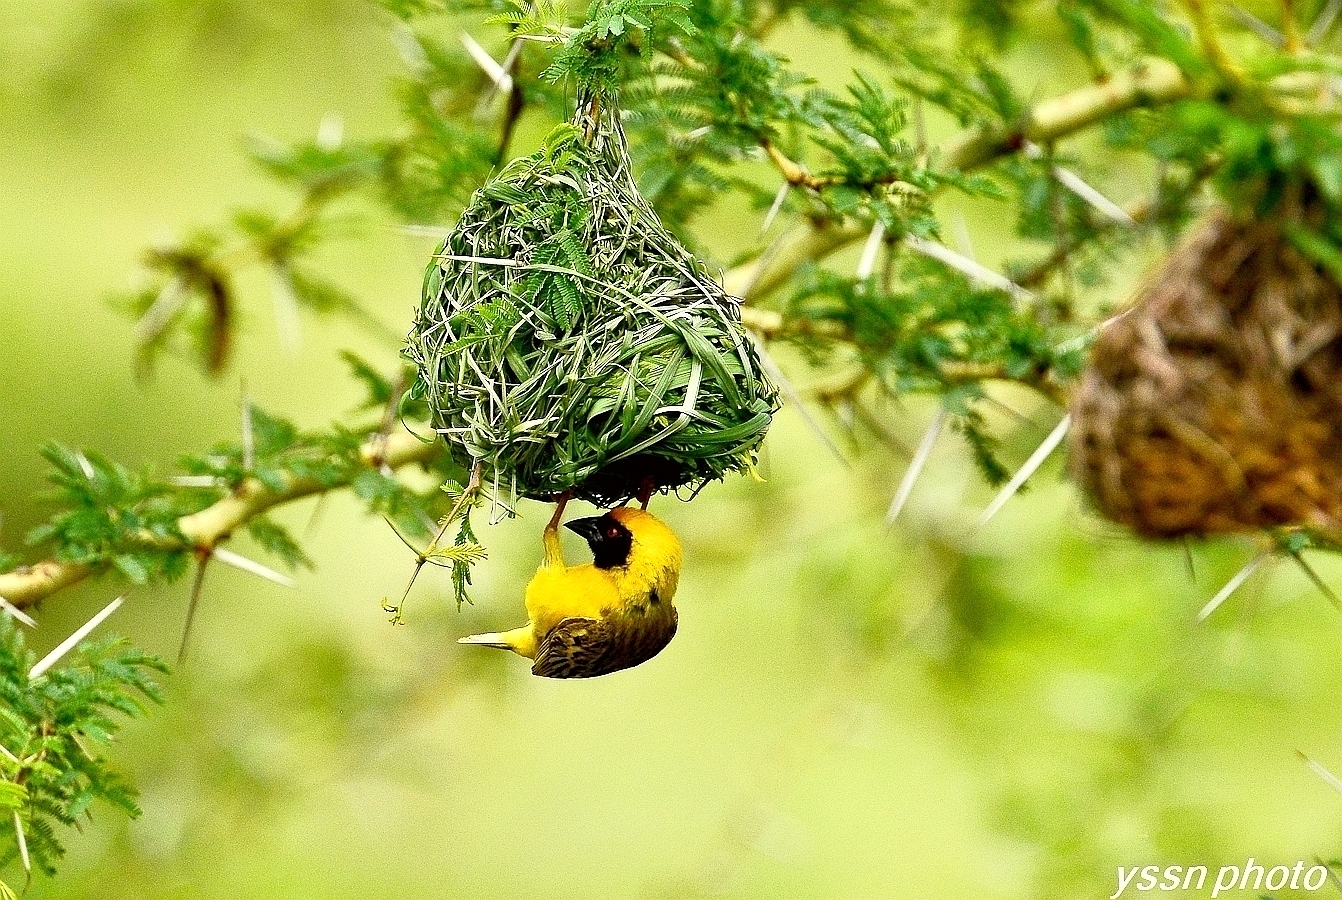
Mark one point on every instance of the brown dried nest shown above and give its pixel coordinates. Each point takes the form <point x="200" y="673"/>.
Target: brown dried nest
<point x="1215" y="404"/>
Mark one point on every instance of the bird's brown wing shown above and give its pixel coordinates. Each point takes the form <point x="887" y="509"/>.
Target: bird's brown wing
<point x="585" y="648"/>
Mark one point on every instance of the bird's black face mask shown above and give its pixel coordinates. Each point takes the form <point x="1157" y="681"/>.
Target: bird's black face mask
<point x="610" y="541"/>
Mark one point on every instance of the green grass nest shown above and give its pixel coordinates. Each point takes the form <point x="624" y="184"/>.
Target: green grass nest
<point x="568" y="342"/>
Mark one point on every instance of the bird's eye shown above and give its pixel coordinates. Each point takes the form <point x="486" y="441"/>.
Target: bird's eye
<point x="612" y="533"/>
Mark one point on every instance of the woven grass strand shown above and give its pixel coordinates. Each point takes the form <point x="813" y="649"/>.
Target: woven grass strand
<point x="569" y="342"/>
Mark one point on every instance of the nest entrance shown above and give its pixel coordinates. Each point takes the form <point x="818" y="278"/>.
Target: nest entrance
<point x="1215" y="404"/>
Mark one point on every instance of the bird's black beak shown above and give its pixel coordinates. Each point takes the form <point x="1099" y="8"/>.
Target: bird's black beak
<point x="589" y="529"/>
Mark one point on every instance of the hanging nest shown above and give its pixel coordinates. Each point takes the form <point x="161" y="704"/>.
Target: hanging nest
<point x="567" y="340"/>
<point x="1215" y="404"/>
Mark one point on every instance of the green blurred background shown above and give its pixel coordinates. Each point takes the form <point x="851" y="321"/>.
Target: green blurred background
<point x="933" y="711"/>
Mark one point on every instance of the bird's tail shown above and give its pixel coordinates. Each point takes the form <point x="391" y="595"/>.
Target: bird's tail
<point x="489" y="639"/>
<point x="519" y="640"/>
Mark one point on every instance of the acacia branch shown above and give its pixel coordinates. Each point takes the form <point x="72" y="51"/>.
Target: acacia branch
<point x="1151" y="82"/>
<point x="770" y="325"/>
<point x="204" y="529"/>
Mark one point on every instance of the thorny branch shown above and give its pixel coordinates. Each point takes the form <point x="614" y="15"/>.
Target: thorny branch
<point x="1151" y="82"/>
<point x="203" y="530"/>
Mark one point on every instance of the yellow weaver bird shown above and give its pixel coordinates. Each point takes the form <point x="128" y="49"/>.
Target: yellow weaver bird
<point x="610" y="614"/>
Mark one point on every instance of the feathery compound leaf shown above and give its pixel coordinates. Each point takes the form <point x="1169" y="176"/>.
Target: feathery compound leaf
<point x="51" y="726"/>
<point x="277" y="540"/>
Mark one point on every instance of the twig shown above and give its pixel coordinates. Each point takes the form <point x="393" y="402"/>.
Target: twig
<point x="467" y="495"/>
<point x="1290" y="28"/>
<point x="515" y="102"/>
<point x="27" y="584"/>
<point x="1210" y="39"/>
<point x="793" y="172"/>
<point x="1151" y="82"/>
<point x="767" y="272"/>
<point x="1142" y="212"/>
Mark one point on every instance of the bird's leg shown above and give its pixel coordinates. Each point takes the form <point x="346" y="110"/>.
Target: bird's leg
<point x="554" y="553"/>
<point x="646" y="490"/>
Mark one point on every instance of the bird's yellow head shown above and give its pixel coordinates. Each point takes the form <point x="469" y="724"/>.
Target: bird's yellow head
<point x="628" y="535"/>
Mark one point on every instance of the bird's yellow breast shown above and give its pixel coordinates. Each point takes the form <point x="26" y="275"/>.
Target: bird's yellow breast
<point x="558" y="592"/>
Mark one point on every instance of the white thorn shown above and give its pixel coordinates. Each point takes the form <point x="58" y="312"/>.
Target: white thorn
<point x="84" y="465"/>
<point x="248" y="438"/>
<point x="916" y="466"/>
<point x="238" y="561"/>
<point x="1079" y="186"/>
<point x="23" y="843"/>
<point x="962" y="235"/>
<point x="1333" y="781"/>
<point x="866" y="264"/>
<point x="1034" y="462"/>
<point x="8" y="755"/>
<point x="701" y="132"/>
<point x="1233" y="584"/>
<point x="330" y="132"/>
<point x="961" y="263"/>
<point x="497" y="73"/>
<point x="437" y="232"/>
<point x="1074" y="183"/>
<point x="166" y="305"/>
<point x="1324" y="22"/>
<point x="80" y="633"/>
<point x="1265" y="31"/>
<point x="407" y="44"/>
<point x="286" y="309"/>
<point x="196" y="481"/>
<point x="777" y="205"/>
<point x="514" y="51"/>
<point x="17" y="613"/>
<point x="1080" y="340"/>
